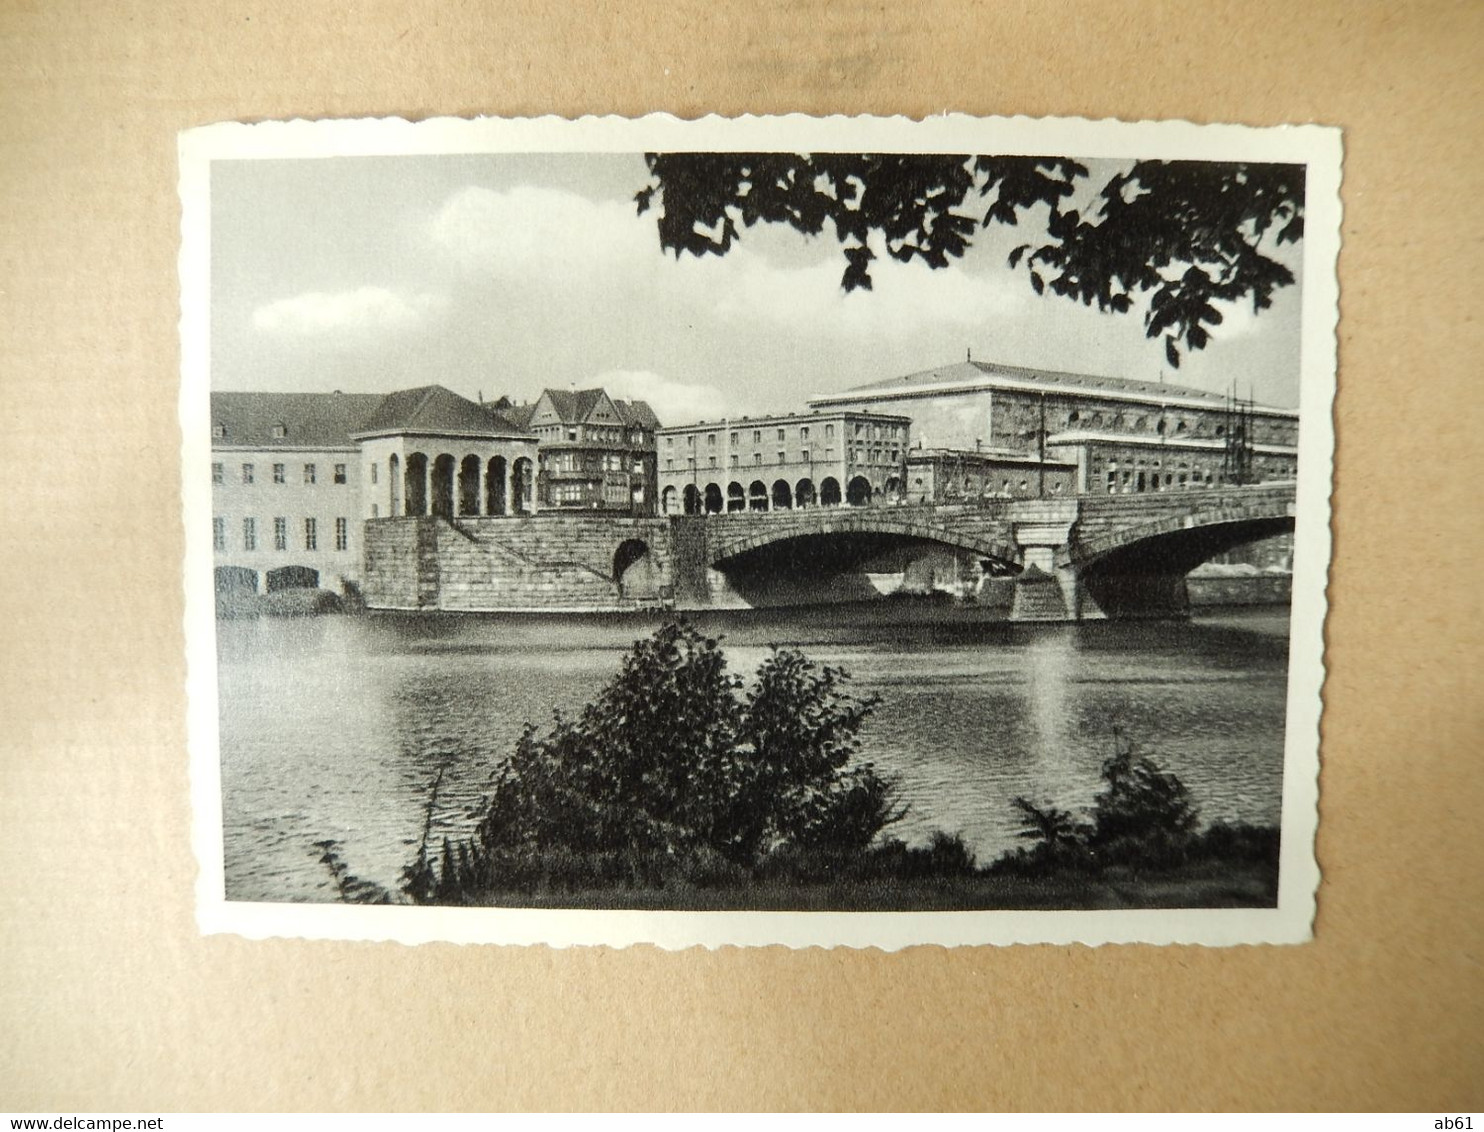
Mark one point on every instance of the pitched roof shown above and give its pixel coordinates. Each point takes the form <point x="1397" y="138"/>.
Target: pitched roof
<point x="575" y="406"/>
<point x="985" y="373"/>
<point x="307" y="420"/>
<point x="432" y="408"/>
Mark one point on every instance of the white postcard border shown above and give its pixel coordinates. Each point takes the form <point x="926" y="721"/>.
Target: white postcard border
<point x="1290" y="922"/>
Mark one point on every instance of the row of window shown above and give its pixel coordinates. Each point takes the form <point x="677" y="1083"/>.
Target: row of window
<point x="863" y="431"/>
<point x="280" y="473"/>
<point x="852" y="455"/>
<point x="280" y="534"/>
<point x="590" y="462"/>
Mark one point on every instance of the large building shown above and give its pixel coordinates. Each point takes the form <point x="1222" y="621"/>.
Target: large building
<point x="1120" y="435"/>
<point x="286" y="488"/>
<point x="597" y="452"/>
<point x="821" y="458"/>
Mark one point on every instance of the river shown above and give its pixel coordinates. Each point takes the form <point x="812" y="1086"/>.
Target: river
<point x="335" y="727"/>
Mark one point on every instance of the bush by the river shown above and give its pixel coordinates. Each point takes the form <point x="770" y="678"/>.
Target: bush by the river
<point x="678" y="773"/>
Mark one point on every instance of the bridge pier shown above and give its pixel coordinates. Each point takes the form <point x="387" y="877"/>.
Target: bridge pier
<point x="1045" y="591"/>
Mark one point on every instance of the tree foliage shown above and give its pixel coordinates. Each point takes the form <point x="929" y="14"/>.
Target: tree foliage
<point x="672" y="772"/>
<point x="1180" y="234"/>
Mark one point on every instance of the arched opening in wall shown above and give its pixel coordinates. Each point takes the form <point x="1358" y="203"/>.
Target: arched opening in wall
<point x="292" y="578"/>
<point x="417" y="484"/>
<point x="783" y="496"/>
<point x="757" y="496"/>
<point x="444" y="474"/>
<point x="894" y="487"/>
<point x="635" y="570"/>
<point x="736" y="497"/>
<point x="494" y="486"/>
<point x="804" y="493"/>
<point x="236" y="580"/>
<point x="669" y="501"/>
<point x="713" y="499"/>
<point x="692" y="499"/>
<point x="469" y="486"/>
<point x="829" y="492"/>
<point x="858" y="492"/>
<point x="394" y="484"/>
<point x="523" y="485"/>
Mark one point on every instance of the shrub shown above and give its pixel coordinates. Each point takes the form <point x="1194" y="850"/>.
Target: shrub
<point x="1143" y="816"/>
<point x="671" y="775"/>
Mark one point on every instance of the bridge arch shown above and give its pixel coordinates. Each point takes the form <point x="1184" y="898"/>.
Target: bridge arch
<point x="990" y="542"/>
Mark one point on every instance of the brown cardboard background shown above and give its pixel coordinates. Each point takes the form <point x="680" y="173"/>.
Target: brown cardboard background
<point x="109" y="999"/>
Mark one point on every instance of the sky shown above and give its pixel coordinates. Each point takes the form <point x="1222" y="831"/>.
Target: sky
<point x="505" y="274"/>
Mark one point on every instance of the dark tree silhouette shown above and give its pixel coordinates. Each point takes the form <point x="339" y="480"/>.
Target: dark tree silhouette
<point x="1181" y="233"/>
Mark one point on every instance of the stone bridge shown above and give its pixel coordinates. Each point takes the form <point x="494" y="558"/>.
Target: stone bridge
<point x="1071" y="558"/>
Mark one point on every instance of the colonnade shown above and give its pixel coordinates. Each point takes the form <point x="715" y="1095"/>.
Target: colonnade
<point x="449" y="487"/>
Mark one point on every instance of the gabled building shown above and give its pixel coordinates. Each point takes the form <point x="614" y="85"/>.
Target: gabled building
<point x="597" y="452"/>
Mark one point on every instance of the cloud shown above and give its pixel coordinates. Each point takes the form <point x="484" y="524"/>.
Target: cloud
<point x="674" y="402"/>
<point x="366" y="310"/>
<point x="594" y="256"/>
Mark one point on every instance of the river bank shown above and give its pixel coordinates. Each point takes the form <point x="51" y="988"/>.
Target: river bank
<point x="1203" y="884"/>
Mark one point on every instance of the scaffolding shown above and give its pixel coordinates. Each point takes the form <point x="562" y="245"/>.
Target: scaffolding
<point x="1236" y="463"/>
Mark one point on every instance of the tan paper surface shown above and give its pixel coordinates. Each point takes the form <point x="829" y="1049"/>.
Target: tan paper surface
<point x="109" y="997"/>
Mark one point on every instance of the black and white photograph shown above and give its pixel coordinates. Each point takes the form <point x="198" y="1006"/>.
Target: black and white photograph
<point x="850" y="532"/>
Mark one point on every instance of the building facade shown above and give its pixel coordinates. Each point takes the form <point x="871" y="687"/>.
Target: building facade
<point x="597" y="453"/>
<point x="950" y="475"/>
<point x="1121" y="435"/>
<point x="824" y="458"/>
<point x="286" y="488"/>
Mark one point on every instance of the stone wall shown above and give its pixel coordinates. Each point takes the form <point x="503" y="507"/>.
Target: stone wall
<point x="546" y="562"/>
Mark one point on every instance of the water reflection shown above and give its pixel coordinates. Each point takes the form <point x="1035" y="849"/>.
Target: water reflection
<point x="336" y="727"/>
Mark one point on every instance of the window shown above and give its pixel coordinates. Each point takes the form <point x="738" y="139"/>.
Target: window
<point x="218" y="431"/>
<point x="218" y="474"/>
<point x="669" y="464"/>
<point x="711" y="440"/>
<point x="829" y="432"/>
<point x="690" y="441"/>
<point x="339" y="473"/>
<point x="780" y="434"/>
<point x="711" y="461"/>
<point x="280" y="534"/>
<point x="757" y="457"/>
<point x="757" y="436"/>
<point x="249" y="534"/>
<point x="218" y="534"/>
<point x="311" y="534"/>
<point x="280" y="430"/>
<point x="734" y="438"/>
<point x="734" y="459"/>
<point x="782" y="457"/>
<point x="669" y="442"/>
<point x="803" y="432"/>
<point x="804" y="455"/>
<point x="375" y="510"/>
<point x="247" y="473"/>
<point x="308" y="473"/>
<point x="278" y="476"/>
<point x="375" y="469"/>
<point x="342" y="534"/>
